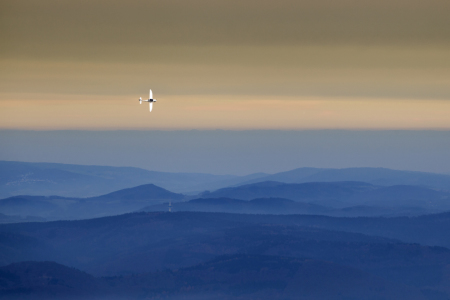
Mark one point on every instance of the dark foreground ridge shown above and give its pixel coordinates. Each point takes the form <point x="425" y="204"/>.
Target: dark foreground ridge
<point x="399" y="252"/>
<point x="240" y="276"/>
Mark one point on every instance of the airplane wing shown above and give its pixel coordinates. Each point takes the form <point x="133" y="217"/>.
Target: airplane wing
<point x="151" y="94"/>
<point x="151" y="105"/>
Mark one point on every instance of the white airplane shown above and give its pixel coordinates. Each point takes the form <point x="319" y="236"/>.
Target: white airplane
<point x="150" y="100"/>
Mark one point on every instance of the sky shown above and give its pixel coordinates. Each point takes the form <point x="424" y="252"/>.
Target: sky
<point x="233" y="152"/>
<point x="322" y="64"/>
<point x="247" y="65"/>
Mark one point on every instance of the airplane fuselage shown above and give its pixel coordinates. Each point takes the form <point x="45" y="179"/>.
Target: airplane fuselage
<point x="150" y="100"/>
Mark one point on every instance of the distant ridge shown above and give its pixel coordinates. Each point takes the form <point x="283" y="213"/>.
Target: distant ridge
<point x="321" y="198"/>
<point x="141" y="193"/>
<point x="68" y="180"/>
<point x="56" y="208"/>
<point x="297" y="192"/>
<point x="341" y="194"/>
<point x="376" y="176"/>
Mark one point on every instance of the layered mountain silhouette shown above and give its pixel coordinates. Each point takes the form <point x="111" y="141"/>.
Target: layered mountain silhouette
<point x="323" y="198"/>
<point x="283" y="236"/>
<point x="376" y="176"/>
<point x="56" y="208"/>
<point x="47" y="179"/>
<point x="341" y="194"/>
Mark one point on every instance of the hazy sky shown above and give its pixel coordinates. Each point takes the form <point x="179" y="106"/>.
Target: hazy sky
<point x="300" y="66"/>
<point x="233" y="152"/>
<point x="322" y="64"/>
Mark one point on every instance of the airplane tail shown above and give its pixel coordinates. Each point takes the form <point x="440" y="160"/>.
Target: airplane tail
<point x="140" y="100"/>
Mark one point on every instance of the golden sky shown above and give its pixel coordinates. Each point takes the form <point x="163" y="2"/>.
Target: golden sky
<point x="225" y="64"/>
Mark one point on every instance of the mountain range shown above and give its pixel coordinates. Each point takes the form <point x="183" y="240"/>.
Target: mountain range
<point x="340" y="194"/>
<point x="320" y="198"/>
<point x="375" y="176"/>
<point x="308" y="234"/>
<point x="47" y="179"/>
